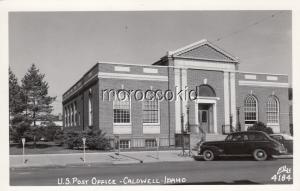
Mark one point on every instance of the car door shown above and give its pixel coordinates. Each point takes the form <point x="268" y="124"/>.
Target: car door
<point x="234" y="145"/>
<point x="256" y="140"/>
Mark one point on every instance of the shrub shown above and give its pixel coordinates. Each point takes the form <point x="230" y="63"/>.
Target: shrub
<point x="95" y="139"/>
<point x="59" y="137"/>
<point x="48" y="132"/>
<point x="260" y="126"/>
<point x="73" y="139"/>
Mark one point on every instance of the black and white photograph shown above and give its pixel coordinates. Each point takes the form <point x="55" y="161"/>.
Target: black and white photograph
<point x="150" y="97"/>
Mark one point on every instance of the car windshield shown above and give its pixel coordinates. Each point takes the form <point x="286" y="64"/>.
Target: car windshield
<point x="287" y="137"/>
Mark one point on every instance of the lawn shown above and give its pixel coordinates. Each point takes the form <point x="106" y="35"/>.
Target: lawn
<point x="42" y="148"/>
<point x="53" y="148"/>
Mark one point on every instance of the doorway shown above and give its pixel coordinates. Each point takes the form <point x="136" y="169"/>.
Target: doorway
<point x="205" y="117"/>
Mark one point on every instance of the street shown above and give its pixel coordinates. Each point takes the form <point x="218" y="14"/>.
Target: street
<point x="229" y="171"/>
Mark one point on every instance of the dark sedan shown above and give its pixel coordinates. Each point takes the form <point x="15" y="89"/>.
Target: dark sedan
<point x="286" y="140"/>
<point x="248" y="143"/>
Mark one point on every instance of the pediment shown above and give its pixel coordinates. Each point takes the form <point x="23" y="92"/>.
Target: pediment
<point x="204" y="50"/>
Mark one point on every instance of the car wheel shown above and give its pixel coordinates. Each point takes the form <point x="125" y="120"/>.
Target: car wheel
<point x="260" y="155"/>
<point x="208" y="155"/>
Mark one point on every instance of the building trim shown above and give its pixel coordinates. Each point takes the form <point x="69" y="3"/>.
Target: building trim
<point x="233" y="97"/>
<point x="250" y="76"/>
<point x="71" y="93"/>
<point x="184" y="101"/>
<point x="262" y="73"/>
<point x="151" y="129"/>
<point x="150" y="70"/>
<point x="226" y="98"/>
<point x="199" y="44"/>
<point x="204" y="59"/>
<point x="180" y="63"/>
<point x="158" y="66"/>
<point x="272" y="78"/>
<point x="121" y="69"/>
<point x="177" y="83"/>
<point x="263" y="84"/>
<point x="132" y="76"/>
<point x="122" y="129"/>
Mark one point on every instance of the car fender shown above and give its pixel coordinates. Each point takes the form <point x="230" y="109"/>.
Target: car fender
<point x="269" y="150"/>
<point x="215" y="149"/>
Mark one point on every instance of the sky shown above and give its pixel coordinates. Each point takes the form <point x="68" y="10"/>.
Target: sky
<point x="65" y="45"/>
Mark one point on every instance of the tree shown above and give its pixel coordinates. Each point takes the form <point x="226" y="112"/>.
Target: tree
<point x="15" y="95"/>
<point x="37" y="102"/>
<point x="260" y="126"/>
<point x="18" y="123"/>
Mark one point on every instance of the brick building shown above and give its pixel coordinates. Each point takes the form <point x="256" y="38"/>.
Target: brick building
<point x="215" y="96"/>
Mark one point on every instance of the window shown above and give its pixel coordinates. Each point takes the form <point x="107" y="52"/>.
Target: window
<point x="257" y="137"/>
<point x="78" y="118"/>
<point x="124" y="144"/>
<point x="205" y="91"/>
<point x="72" y="114"/>
<point x="75" y="114"/>
<point x="250" y="109"/>
<point x="121" y="110"/>
<point x="69" y="116"/>
<point x="204" y="116"/>
<point x="150" y="143"/>
<point x="150" y="111"/>
<point x="235" y="137"/>
<point x="66" y="117"/>
<point x="272" y="110"/>
<point x="90" y="111"/>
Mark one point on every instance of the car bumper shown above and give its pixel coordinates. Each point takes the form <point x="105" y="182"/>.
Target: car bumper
<point x="279" y="152"/>
<point x="286" y="156"/>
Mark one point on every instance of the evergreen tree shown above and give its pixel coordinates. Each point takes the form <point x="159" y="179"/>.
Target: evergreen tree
<point x="15" y="100"/>
<point x="18" y="123"/>
<point x="37" y="102"/>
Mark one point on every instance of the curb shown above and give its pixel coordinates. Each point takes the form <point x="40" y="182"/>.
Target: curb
<point x="89" y="164"/>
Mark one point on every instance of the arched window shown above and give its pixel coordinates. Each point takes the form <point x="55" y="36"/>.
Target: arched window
<point x="75" y="114"/>
<point x="272" y="111"/>
<point x="66" y="117"/>
<point x="72" y="114"/>
<point x="90" y="111"/>
<point x="250" y="110"/>
<point x="69" y="116"/>
<point x="205" y="91"/>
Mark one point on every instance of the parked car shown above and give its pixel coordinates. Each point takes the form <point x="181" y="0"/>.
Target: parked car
<point x="248" y="143"/>
<point x="284" y="139"/>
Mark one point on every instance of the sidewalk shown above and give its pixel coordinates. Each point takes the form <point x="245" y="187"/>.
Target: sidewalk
<point x="42" y="160"/>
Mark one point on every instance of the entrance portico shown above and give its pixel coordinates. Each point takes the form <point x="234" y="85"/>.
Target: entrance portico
<point x="206" y="114"/>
